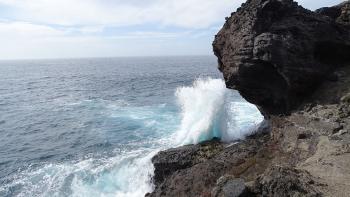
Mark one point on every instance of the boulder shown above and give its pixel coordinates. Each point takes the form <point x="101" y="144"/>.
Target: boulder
<point x="169" y="161"/>
<point x="229" y="186"/>
<point x="286" y="181"/>
<point x="275" y="52"/>
<point x="194" y="170"/>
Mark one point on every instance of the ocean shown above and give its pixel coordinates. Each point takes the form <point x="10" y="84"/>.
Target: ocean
<point x="89" y="127"/>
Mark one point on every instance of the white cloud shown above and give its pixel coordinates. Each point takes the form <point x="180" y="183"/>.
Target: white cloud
<point x="26" y="40"/>
<point x="27" y="30"/>
<point x="77" y="28"/>
<point x="183" y="13"/>
<point x="73" y="28"/>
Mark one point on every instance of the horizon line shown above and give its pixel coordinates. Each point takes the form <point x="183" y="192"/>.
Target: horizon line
<point x="103" y="57"/>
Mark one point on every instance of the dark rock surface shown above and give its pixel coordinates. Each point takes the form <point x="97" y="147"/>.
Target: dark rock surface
<point x="339" y="13"/>
<point x="294" y="64"/>
<point x="172" y="160"/>
<point x="285" y="181"/>
<point x="275" y="52"/>
<point x="306" y="153"/>
<point x="247" y="159"/>
<point x="229" y="186"/>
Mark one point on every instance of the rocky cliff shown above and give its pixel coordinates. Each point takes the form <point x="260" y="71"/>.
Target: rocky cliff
<point x="294" y="64"/>
<point x="275" y="53"/>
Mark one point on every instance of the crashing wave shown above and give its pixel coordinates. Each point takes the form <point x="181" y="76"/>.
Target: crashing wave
<point x="209" y="110"/>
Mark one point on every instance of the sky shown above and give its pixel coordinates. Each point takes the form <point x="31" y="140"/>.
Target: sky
<point x="31" y="29"/>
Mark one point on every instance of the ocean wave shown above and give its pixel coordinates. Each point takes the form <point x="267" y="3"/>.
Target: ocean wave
<point x="210" y="110"/>
<point x="128" y="174"/>
<point x="206" y="109"/>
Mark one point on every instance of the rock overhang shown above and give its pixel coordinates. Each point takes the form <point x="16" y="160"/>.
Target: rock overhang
<point x="275" y="53"/>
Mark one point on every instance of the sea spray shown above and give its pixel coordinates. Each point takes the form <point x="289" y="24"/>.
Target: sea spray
<point x="129" y="177"/>
<point x="207" y="110"/>
<point x="125" y="171"/>
<point x="200" y="104"/>
<point x="242" y="119"/>
<point x="210" y="110"/>
<point x="95" y="134"/>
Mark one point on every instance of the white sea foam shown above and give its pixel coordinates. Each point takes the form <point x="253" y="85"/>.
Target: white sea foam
<point x="126" y="175"/>
<point x="200" y="105"/>
<point x="241" y="119"/>
<point x="210" y="110"/>
<point x="130" y="178"/>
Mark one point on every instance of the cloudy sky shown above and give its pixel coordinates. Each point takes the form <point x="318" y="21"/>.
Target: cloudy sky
<point x="109" y="28"/>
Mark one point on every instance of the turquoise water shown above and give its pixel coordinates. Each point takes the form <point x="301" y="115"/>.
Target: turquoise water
<point x="89" y="127"/>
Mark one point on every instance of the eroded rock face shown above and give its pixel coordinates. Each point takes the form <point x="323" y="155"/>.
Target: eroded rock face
<point x="229" y="186"/>
<point x="169" y="161"/>
<point x="202" y="169"/>
<point x="286" y="181"/>
<point x="339" y="13"/>
<point x="275" y="52"/>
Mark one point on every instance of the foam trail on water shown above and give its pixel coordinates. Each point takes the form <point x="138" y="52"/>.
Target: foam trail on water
<point x="209" y="109"/>
<point x="124" y="171"/>
<point x="129" y="179"/>
<point x="126" y="175"/>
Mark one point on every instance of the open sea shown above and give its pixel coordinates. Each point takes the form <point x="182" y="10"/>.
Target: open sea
<point x="89" y="127"/>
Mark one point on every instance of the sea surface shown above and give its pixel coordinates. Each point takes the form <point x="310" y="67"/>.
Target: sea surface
<point x="89" y="127"/>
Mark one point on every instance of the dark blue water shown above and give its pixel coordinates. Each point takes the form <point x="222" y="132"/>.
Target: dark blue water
<point x="88" y="127"/>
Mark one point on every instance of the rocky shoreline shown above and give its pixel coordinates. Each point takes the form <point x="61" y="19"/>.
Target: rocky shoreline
<point x="293" y="64"/>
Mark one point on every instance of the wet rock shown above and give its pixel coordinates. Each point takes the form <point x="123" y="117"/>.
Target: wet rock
<point x="281" y="57"/>
<point x="169" y="161"/>
<point x="245" y="159"/>
<point x="275" y="52"/>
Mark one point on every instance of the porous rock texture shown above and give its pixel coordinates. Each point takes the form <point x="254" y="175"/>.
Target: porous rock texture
<point x="198" y="178"/>
<point x="294" y="65"/>
<point x="275" y="52"/>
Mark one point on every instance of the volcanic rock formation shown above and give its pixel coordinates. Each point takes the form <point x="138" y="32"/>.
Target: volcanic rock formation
<point x="275" y="52"/>
<point x="294" y="64"/>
